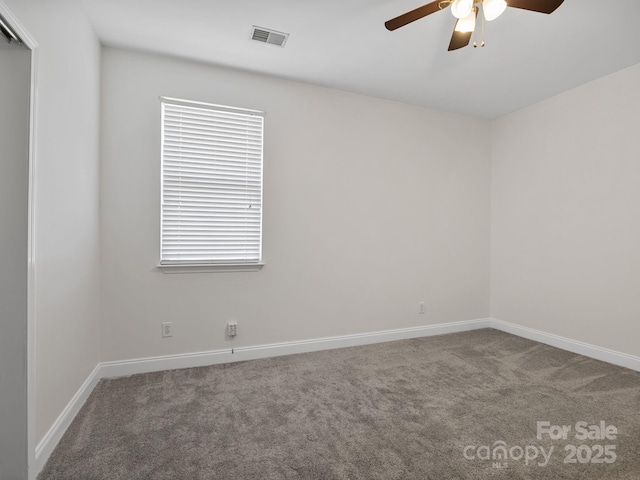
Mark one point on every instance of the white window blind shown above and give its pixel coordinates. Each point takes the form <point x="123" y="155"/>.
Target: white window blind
<point x="211" y="184"/>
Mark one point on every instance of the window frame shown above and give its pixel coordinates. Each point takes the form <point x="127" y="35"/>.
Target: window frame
<point x="212" y="265"/>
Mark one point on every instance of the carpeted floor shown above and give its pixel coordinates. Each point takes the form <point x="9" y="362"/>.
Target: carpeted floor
<point x="432" y="408"/>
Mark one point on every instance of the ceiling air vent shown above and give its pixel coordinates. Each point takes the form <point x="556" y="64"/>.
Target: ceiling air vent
<point x="271" y="37"/>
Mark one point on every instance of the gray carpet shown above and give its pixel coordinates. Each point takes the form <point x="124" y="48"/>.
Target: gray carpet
<point x="429" y="408"/>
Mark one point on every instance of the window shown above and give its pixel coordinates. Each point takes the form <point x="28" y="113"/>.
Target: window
<point x="211" y="185"/>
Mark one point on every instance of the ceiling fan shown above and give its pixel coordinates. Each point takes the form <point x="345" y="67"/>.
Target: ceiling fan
<point x="466" y="12"/>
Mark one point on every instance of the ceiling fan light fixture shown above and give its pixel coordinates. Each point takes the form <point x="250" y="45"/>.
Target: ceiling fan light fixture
<point x="466" y="13"/>
<point x="492" y="9"/>
<point x="462" y="8"/>
<point x="467" y="24"/>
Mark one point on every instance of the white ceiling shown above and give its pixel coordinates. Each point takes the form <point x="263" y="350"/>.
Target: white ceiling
<point x="343" y="44"/>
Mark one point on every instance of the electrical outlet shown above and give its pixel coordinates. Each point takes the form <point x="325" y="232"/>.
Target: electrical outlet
<point x="232" y="329"/>
<point x="167" y="329"/>
<point x="421" y="310"/>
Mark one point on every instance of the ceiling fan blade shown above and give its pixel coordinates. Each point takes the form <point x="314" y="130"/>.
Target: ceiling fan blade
<point x="459" y="39"/>
<point x="413" y="15"/>
<point x="542" y="6"/>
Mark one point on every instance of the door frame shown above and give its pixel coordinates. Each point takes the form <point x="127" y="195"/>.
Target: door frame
<point x="32" y="45"/>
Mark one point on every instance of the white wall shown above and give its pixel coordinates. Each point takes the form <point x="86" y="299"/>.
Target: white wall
<point x="370" y="207"/>
<point x="67" y="202"/>
<point x="15" y="67"/>
<point x="566" y="214"/>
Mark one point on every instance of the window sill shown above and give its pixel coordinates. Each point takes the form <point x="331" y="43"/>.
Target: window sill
<point x="211" y="268"/>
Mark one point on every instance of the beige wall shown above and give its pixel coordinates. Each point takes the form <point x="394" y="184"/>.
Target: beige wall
<point x="369" y="207"/>
<point x="566" y="214"/>
<point x="66" y="202"/>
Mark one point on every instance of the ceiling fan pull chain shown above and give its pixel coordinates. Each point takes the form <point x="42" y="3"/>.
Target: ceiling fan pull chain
<point x="482" y="44"/>
<point x="475" y="33"/>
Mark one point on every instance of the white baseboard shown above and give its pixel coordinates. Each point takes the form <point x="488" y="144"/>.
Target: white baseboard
<point x="199" y="359"/>
<point x="581" y="348"/>
<point x="124" y="368"/>
<point x="52" y="437"/>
